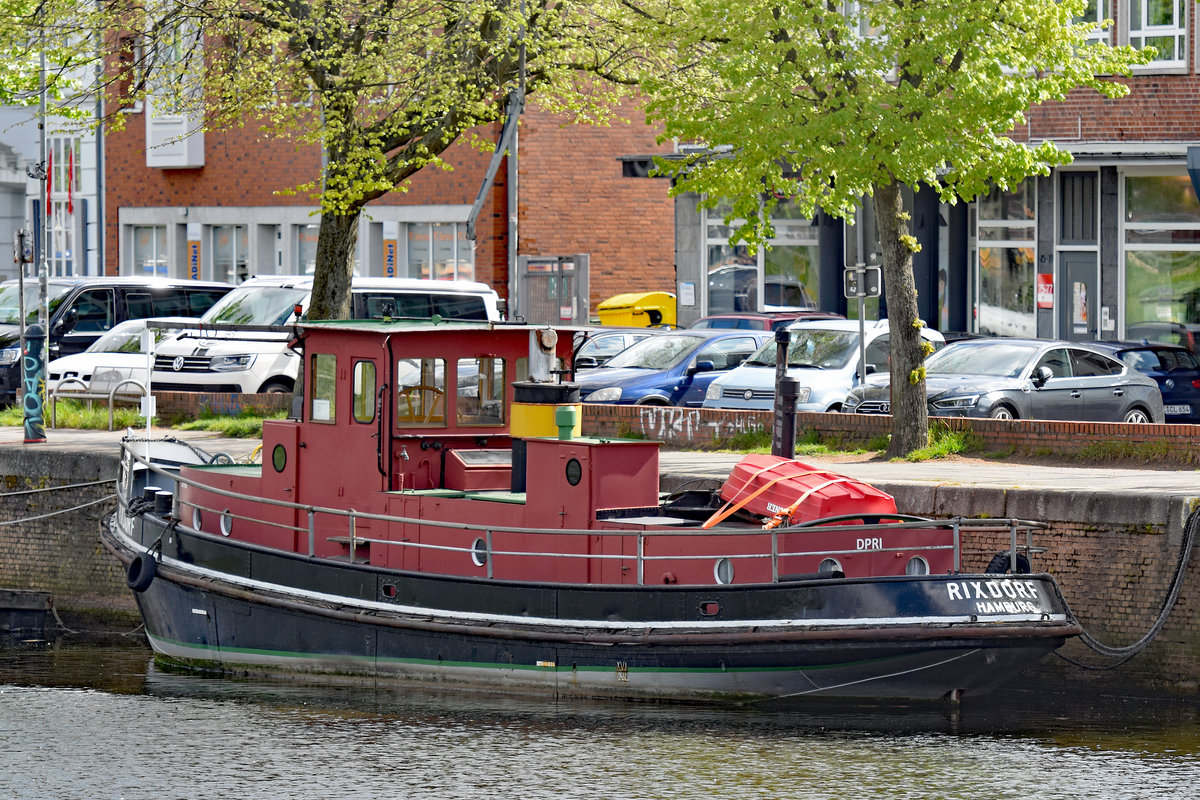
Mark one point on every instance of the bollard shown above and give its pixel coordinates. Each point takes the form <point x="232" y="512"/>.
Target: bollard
<point x="33" y="382"/>
<point x="783" y="433"/>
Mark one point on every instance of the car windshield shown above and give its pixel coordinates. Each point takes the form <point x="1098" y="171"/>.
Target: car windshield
<point x="812" y="348"/>
<point x="999" y="359"/>
<point x="1152" y="359"/>
<point x="126" y="339"/>
<point x="257" y="305"/>
<point x="10" y="300"/>
<point x="655" y="352"/>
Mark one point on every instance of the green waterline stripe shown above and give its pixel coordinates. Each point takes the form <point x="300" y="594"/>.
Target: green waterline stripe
<point x="370" y="660"/>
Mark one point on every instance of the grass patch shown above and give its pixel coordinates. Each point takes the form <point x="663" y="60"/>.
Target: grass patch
<point x="945" y="442"/>
<point x="77" y="414"/>
<point x="808" y="443"/>
<point x="1100" y="452"/>
<point x="246" y="425"/>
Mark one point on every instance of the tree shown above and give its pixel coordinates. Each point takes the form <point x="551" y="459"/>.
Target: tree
<point x="383" y="87"/>
<point x="827" y="102"/>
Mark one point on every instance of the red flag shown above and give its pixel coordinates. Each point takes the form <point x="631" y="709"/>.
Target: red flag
<point x="49" y="180"/>
<point x="70" y="179"/>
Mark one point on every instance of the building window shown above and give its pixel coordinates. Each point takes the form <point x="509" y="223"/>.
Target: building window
<point x="1006" y="227"/>
<point x="1161" y="257"/>
<point x="306" y="249"/>
<point x="64" y="191"/>
<point x="230" y="253"/>
<point x="1097" y="11"/>
<point x="783" y="277"/>
<point x="150" y="250"/>
<point x="323" y="406"/>
<point x="440" y="250"/>
<point x="1161" y="24"/>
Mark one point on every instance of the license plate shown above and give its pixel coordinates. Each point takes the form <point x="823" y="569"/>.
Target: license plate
<point x="1177" y="410"/>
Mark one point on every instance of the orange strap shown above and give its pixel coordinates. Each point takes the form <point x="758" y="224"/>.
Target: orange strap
<point x="730" y="507"/>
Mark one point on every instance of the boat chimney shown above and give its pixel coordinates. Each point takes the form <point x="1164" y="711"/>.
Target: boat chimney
<point x="541" y="411"/>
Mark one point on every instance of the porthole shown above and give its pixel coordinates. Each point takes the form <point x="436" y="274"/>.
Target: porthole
<point x="830" y="565"/>
<point x="723" y="571"/>
<point x="916" y="566"/>
<point x="279" y="458"/>
<point x="574" y="472"/>
<point x="479" y="552"/>
<point x="197" y="518"/>
<point x="226" y="523"/>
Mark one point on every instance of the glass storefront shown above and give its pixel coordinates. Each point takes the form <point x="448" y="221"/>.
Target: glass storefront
<point x="230" y="253"/>
<point x="1006" y="224"/>
<point x="1161" y="258"/>
<point x="783" y="276"/>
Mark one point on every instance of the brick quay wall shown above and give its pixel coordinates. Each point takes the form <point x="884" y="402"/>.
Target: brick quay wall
<point x="1112" y="553"/>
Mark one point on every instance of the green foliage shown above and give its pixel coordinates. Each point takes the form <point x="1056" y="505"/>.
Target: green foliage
<point x="945" y="442"/>
<point x="246" y="425"/>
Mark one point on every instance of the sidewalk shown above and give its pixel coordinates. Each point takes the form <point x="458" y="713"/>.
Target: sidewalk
<point x="679" y="466"/>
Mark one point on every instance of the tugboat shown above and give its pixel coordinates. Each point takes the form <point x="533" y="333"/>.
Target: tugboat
<point x="433" y="513"/>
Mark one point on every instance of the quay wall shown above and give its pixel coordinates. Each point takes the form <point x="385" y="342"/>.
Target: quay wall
<point x="1112" y="553"/>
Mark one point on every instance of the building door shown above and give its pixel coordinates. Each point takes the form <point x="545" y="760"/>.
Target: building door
<point x="552" y="290"/>
<point x="1079" y="279"/>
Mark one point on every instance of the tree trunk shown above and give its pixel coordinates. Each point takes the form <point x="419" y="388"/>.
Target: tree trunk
<point x="910" y="418"/>
<point x="336" y="242"/>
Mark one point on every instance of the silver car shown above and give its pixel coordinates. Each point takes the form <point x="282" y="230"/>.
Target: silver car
<point x="1025" y="379"/>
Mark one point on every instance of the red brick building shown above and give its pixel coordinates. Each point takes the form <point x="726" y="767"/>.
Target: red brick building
<point x="215" y="205"/>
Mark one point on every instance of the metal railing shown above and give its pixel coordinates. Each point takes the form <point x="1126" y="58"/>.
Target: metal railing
<point x="351" y="535"/>
<point x="88" y="394"/>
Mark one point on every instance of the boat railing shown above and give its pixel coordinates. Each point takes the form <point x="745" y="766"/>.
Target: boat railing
<point x="483" y="547"/>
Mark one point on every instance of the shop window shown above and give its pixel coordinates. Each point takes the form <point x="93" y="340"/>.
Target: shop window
<point x="149" y="250"/>
<point x="1161" y="257"/>
<point x="230" y="253"/>
<point x="481" y="386"/>
<point x="364" y="391"/>
<point x="440" y="250"/>
<point x="323" y="405"/>
<point x="421" y="391"/>
<point x="1006" y="225"/>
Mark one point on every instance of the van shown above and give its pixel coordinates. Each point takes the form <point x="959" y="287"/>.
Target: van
<point x="252" y="361"/>
<point x="83" y="309"/>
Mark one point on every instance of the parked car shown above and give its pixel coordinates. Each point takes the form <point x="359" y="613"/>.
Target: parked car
<point x="210" y="360"/>
<point x="822" y="354"/>
<point x="760" y="320"/>
<point x="595" y="346"/>
<point x="118" y="354"/>
<point x="1182" y="334"/>
<point x="1006" y="378"/>
<point x="1174" y="367"/>
<point x="82" y="309"/>
<point x="673" y="368"/>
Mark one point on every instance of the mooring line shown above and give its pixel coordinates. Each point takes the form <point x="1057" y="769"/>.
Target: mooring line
<point x="60" y="511"/>
<point x="55" y="488"/>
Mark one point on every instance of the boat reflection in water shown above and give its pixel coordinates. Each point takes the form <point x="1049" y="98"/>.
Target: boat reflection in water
<point x="434" y="515"/>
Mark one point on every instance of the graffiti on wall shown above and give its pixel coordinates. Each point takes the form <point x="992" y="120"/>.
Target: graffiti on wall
<point x="671" y="423"/>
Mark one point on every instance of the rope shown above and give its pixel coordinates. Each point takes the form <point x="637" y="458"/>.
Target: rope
<point x="1175" y="586"/>
<point x="60" y="511"/>
<point x="56" y="488"/>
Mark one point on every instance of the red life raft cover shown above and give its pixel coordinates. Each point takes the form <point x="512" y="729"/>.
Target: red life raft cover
<point x="768" y="485"/>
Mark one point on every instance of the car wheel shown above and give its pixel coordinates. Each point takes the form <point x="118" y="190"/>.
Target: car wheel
<point x="1137" y="416"/>
<point x="1002" y="412"/>
<point x="275" y="387"/>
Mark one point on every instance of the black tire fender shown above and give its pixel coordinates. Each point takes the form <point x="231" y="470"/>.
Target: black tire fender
<point x="1002" y="562"/>
<point x="140" y="572"/>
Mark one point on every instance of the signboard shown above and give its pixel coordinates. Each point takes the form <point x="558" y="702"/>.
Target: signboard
<point x="862" y="281"/>
<point x="1045" y="290"/>
<point x="193" y="258"/>
<point x="389" y="258"/>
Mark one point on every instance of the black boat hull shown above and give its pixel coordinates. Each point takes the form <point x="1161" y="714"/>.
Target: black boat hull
<point x="220" y="604"/>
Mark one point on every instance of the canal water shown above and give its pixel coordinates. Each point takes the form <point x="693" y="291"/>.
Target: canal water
<point x="101" y="722"/>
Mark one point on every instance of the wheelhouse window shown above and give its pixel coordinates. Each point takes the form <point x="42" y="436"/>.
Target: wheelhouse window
<point x="481" y="391"/>
<point x="322" y="402"/>
<point x="364" y="391"/>
<point x="421" y="391"/>
<point x="1007" y="241"/>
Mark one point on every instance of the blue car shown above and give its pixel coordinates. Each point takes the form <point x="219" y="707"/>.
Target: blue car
<point x="1175" y="369"/>
<point x="669" y="369"/>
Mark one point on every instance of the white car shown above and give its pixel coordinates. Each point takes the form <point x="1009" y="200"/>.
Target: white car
<point x="823" y="356"/>
<point x="251" y="361"/>
<point x="114" y="357"/>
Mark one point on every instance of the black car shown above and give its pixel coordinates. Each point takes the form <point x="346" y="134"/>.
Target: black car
<point x="1173" y="366"/>
<point x="82" y="309"/>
